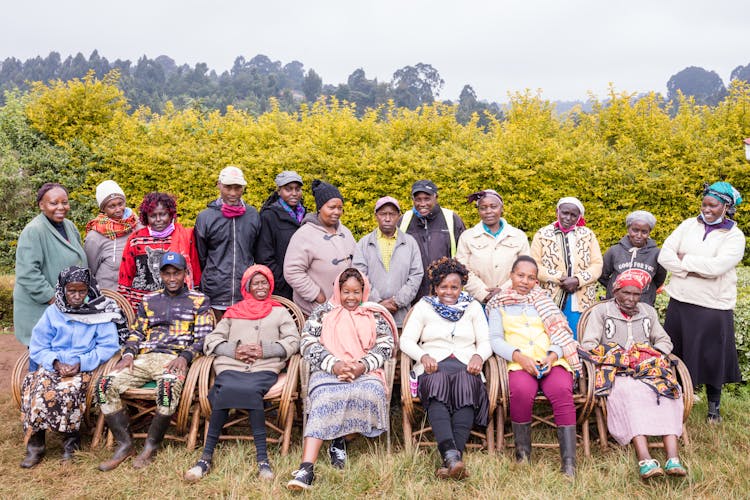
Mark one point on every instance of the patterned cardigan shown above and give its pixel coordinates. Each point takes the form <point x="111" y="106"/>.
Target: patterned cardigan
<point x="321" y="359"/>
<point x="547" y="250"/>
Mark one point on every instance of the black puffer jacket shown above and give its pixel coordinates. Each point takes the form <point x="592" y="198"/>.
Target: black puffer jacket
<point x="623" y="256"/>
<point x="226" y="247"/>
<point x="277" y="228"/>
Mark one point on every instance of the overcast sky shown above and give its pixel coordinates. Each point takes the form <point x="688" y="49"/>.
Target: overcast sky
<point x="566" y="48"/>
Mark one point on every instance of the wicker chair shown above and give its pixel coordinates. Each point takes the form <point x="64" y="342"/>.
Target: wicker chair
<point x="389" y="367"/>
<point x="583" y="398"/>
<point x="21" y="368"/>
<point x="683" y="377"/>
<point x="417" y="431"/>
<point x="281" y="397"/>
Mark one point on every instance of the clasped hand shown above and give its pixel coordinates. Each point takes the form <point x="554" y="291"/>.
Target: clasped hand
<point x="474" y="367"/>
<point x="248" y="353"/>
<point x="66" y="370"/>
<point x="347" y="371"/>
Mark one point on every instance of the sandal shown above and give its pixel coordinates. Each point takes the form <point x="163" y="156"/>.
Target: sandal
<point x="199" y="470"/>
<point x="649" y="468"/>
<point x="673" y="467"/>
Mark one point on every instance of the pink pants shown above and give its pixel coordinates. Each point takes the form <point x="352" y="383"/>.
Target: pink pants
<point x="557" y="386"/>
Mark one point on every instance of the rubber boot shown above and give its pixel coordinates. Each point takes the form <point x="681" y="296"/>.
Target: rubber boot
<point x="119" y="425"/>
<point x="35" y="449"/>
<point x="71" y="444"/>
<point x="566" y="435"/>
<point x="156" y="432"/>
<point x="522" y="440"/>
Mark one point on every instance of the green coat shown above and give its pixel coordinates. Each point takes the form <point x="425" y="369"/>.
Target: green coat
<point x="41" y="254"/>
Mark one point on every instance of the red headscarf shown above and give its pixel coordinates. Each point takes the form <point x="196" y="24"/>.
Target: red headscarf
<point x="632" y="277"/>
<point x="250" y="307"/>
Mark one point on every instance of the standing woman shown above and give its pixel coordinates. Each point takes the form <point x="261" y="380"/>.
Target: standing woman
<point x="702" y="254"/>
<point x="447" y="336"/>
<point x="141" y="258"/>
<point x="73" y="337"/>
<point x="280" y="217"/>
<point x="569" y="260"/>
<point x="489" y="249"/>
<point x="107" y="234"/>
<point x="47" y="245"/>
<point x="635" y="251"/>
<point x="321" y="249"/>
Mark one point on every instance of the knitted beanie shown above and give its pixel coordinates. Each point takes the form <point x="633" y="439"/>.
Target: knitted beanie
<point x="322" y="191"/>
<point x="107" y="190"/>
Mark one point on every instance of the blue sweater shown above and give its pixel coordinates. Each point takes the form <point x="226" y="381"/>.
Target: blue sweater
<point x="57" y="336"/>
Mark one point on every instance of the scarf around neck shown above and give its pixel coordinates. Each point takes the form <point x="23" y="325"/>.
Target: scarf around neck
<point x="250" y="307"/>
<point x="113" y="228"/>
<point x="297" y="213"/>
<point x="231" y="211"/>
<point x="554" y="321"/>
<point x="450" y="312"/>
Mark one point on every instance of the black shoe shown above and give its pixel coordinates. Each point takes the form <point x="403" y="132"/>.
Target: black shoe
<point x="264" y="471"/>
<point x="35" y="449"/>
<point x="71" y="444"/>
<point x="337" y="451"/>
<point x="714" y="413"/>
<point x="302" y="480"/>
<point x="522" y="441"/>
<point x="454" y="465"/>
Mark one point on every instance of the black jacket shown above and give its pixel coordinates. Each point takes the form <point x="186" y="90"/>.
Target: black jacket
<point x="277" y="228"/>
<point x="226" y="247"/>
<point x="431" y="233"/>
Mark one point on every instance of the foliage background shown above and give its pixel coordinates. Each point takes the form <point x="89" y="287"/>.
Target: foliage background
<point x="627" y="153"/>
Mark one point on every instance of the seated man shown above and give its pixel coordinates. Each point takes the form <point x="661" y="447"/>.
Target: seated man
<point x="168" y="334"/>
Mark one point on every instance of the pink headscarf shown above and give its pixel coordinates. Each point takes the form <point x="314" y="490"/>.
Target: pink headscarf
<point x="349" y="335"/>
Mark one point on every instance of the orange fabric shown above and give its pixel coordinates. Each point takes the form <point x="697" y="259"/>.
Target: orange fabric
<point x="182" y="242"/>
<point x="250" y="307"/>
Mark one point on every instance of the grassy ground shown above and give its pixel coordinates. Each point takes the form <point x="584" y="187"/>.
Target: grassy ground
<point x="718" y="461"/>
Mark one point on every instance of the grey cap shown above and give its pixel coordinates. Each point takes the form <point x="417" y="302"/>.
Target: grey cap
<point x="286" y="177"/>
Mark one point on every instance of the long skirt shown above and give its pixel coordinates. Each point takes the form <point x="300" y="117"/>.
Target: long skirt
<point x="704" y="339"/>
<point x="339" y="408"/>
<point x="235" y="389"/>
<point x="50" y="402"/>
<point x="633" y="410"/>
<point x="452" y="385"/>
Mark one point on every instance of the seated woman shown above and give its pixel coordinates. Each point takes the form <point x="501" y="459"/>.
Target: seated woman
<point x="528" y="330"/>
<point x="346" y="341"/>
<point x="643" y="400"/>
<point x="446" y="335"/>
<point x="252" y="342"/>
<point x="73" y="337"/>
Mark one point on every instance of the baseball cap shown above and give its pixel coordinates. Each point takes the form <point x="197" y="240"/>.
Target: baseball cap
<point x="387" y="200"/>
<point x="173" y="259"/>
<point x="232" y="175"/>
<point x="424" y="186"/>
<point x="286" y="177"/>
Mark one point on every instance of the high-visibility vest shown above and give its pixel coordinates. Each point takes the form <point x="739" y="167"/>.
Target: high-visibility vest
<point x="448" y="214"/>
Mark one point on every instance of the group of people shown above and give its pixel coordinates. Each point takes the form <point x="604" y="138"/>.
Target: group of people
<point x="472" y="292"/>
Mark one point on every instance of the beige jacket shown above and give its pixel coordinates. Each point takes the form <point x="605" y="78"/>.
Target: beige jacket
<point x="607" y="324"/>
<point x="706" y="275"/>
<point x="428" y="333"/>
<point x="546" y="249"/>
<point x="278" y="329"/>
<point x="489" y="259"/>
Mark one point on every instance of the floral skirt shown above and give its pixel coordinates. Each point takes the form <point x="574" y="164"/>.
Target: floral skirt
<point x="52" y="402"/>
<point x="340" y="408"/>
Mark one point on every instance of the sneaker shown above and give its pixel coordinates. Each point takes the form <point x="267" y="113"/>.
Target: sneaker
<point x="264" y="471"/>
<point x="673" y="467"/>
<point x="302" y="480"/>
<point x="649" y="468"/>
<point x="337" y="451"/>
<point x="199" y="470"/>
